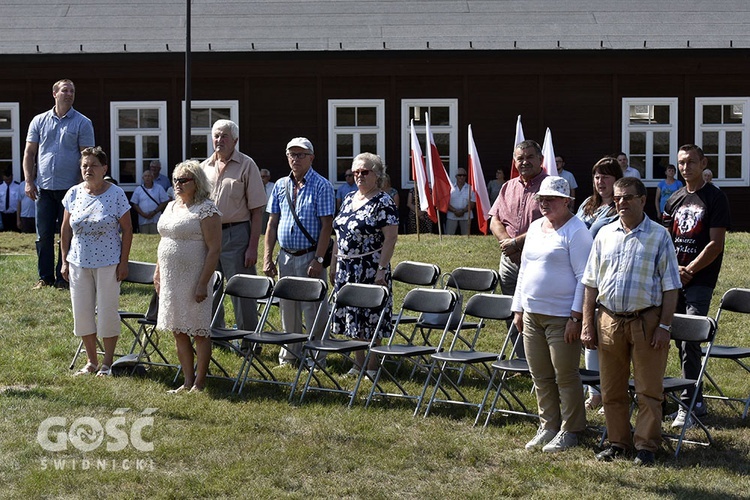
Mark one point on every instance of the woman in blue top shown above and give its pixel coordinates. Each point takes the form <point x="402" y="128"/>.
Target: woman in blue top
<point x="95" y="239"/>
<point x="666" y="188"/>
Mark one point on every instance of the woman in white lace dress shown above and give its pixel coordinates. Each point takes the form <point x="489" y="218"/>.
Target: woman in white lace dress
<point x="190" y="230"/>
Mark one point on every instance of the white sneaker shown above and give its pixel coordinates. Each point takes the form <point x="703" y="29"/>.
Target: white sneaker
<point x="562" y="441"/>
<point x="681" y="417"/>
<point x="543" y="436"/>
<point x="353" y="372"/>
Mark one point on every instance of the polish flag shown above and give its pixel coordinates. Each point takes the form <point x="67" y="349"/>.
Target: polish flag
<point x="549" y="154"/>
<point x="476" y="181"/>
<point x="420" y="179"/>
<point x="519" y="139"/>
<point x="439" y="181"/>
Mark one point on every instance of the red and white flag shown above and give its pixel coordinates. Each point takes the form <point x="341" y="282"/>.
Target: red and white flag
<point x="549" y="154"/>
<point x="439" y="181"/>
<point x="476" y="181"/>
<point x="519" y="139"/>
<point x="420" y="179"/>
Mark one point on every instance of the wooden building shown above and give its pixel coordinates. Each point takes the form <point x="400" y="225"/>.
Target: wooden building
<point x="641" y="77"/>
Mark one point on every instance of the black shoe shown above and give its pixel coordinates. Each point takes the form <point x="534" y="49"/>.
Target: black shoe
<point x="610" y="454"/>
<point x="62" y="285"/>
<point x="644" y="458"/>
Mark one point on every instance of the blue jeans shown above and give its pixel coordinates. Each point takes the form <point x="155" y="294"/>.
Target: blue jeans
<point x="49" y="215"/>
<point x="695" y="301"/>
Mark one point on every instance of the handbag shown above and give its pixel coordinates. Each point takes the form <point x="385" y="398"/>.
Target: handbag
<point x="329" y="250"/>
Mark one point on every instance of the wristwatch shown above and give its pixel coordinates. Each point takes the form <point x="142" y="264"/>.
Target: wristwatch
<point x="668" y="328"/>
<point x="381" y="268"/>
<point x="575" y="320"/>
<point x="319" y="259"/>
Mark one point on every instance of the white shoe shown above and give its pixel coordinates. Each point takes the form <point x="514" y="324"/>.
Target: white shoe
<point x="353" y="372"/>
<point x="543" y="436"/>
<point x="562" y="441"/>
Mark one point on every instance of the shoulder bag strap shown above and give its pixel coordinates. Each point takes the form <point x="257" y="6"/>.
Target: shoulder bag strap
<point x="296" y="218"/>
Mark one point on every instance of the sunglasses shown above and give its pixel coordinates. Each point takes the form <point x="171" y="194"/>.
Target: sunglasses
<point x="362" y="173"/>
<point x="182" y="180"/>
<point x="626" y="198"/>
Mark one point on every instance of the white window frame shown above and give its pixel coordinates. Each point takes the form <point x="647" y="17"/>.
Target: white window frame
<point x="333" y="131"/>
<point x="451" y="129"/>
<point x="161" y="132"/>
<point x="721" y="128"/>
<point x="234" y="115"/>
<point x="15" y="135"/>
<point x="627" y="127"/>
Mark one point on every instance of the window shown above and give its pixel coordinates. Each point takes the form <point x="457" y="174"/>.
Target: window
<point x="649" y="135"/>
<point x="203" y="115"/>
<point x="444" y="127"/>
<point x="10" y="139"/>
<point x="354" y="126"/>
<point x="722" y="132"/>
<point x="139" y="135"/>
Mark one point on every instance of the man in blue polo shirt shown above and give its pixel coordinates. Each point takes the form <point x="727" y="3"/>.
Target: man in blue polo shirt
<point x="58" y="136"/>
<point x="311" y="196"/>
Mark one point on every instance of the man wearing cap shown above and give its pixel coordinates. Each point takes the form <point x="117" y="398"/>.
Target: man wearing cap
<point x="460" y="207"/>
<point x="632" y="277"/>
<point x="311" y="196"/>
<point x="237" y="191"/>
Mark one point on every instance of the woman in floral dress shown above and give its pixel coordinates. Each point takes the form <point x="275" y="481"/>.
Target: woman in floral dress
<point x="366" y="232"/>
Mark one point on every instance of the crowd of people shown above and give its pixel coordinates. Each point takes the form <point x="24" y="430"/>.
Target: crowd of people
<point x="604" y="280"/>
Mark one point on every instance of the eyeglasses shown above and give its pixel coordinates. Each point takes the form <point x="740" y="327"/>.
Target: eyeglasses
<point x="181" y="180"/>
<point x="549" y="199"/>
<point x="625" y="197"/>
<point x="362" y="173"/>
<point x="297" y="156"/>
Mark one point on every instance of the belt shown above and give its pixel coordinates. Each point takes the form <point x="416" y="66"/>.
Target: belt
<point x="300" y="252"/>
<point x="626" y="315"/>
<point x="230" y="224"/>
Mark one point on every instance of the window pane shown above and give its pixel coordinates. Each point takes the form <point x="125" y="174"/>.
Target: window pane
<point x="6" y="166"/>
<point x="661" y="143"/>
<point x="345" y="145"/>
<point x="5" y="123"/>
<point x="149" y="118"/>
<point x="710" y="143"/>
<point x="733" y="113"/>
<point x="367" y="117"/>
<point x="733" y="166"/>
<point x="127" y="146"/>
<point x="219" y="114"/>
<point x="6" y="148"/>
<point x="440" y="116"/>
<point x="200" y="118"/>
<point x="660" y="163"/>
<point x="443" y="143"/>
<point x="713" y="164"/>
<point x="150" y="146"/>
<point x="342" y="165"/>
<point x="638" y="162"/>
<point x="345" y="117"/>
<point x="127" y="171"/>
<point x="127" y="118"/>
<point x="661" y="114"/>
<point x="711" y="114"/>
<point x="198" y="147"/>
<point x="417" y="113"/>
<point x="640" y="113"/>
<point x="368" y="143"/>
<point x="637" y="143"/>
<point x="734" y="143"/>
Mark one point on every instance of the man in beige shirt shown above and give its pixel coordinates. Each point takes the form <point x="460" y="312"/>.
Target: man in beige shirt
<point x="237" y="190"/>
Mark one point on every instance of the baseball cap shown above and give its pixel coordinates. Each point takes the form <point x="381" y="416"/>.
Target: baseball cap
<point x="301" y="142"/>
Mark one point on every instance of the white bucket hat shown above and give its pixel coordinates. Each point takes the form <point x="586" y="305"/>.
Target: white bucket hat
<point x="554" y="186"/>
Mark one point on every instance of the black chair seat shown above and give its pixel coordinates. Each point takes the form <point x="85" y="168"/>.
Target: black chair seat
<point x="728" y="352"/>
<point x="396" y="350"/>
<point x="276" y="338"/>
<point x="465" y="356"/>
<point x="511" y="365"/>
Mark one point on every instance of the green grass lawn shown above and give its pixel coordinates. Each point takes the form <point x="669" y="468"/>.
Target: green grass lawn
<point x="216" y="444"/>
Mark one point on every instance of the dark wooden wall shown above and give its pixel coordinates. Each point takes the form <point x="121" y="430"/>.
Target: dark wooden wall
<point x="281" y="95"/>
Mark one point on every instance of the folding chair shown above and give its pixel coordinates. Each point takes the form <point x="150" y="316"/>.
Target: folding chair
<point x="243" y="286"/>
<point x="483" y="307"/>
<point x="288" y="288"/>
<point x="736" y="300"/>
<point x="419" y="300"/>
<point x="418" y="274"/>
<point x="374" y="297"/>
<point x="140" y="273"/>
<point x="688" y="328"/>
<point x="505" y="365"/>
<point x="462" y="279"/>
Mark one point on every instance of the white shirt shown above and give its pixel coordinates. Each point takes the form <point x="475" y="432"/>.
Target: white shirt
<point x="460" y="199"/>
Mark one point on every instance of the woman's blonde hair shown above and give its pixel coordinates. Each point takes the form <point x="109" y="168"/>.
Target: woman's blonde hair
<point x="193" y="168"/>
